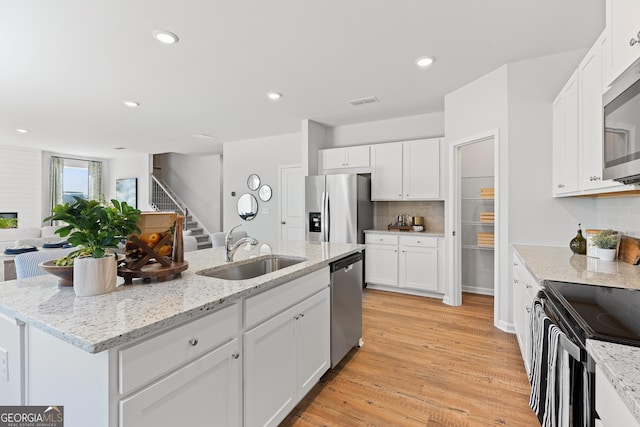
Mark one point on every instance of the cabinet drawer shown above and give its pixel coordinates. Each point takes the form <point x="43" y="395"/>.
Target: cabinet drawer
<point x="273" y="301"/>
<point x="150" y="359"/>
<point x="381" y="239"/>
<point x="420" y="241"/>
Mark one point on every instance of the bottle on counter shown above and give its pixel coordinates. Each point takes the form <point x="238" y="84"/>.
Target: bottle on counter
<point x="578" y="244"/>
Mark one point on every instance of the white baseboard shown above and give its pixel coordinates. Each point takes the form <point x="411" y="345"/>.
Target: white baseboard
<point x="477" y="290"/>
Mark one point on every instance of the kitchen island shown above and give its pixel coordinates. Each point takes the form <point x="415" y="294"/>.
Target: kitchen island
<point x="112" y="357"/>
<point x="616" y="362"/>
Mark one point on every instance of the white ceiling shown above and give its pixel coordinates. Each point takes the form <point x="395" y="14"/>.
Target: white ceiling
<point x="67" y="65"/>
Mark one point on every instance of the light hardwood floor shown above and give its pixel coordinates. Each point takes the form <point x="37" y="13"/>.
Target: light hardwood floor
<point x="423" y="363"/>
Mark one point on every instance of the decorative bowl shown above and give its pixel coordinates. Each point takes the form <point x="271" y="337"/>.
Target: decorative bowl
<point x="64" y="273"/>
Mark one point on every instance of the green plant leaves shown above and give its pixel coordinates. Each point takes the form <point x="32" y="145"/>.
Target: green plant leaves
<point x="94" y="226"/>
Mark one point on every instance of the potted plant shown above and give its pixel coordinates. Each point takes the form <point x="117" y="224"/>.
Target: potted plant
<point x="95" y="228"/>
<point x="607" y="243"/>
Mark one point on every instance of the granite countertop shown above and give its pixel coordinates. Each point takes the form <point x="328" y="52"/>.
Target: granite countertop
<point x="404" y="233"/>
<point x="560" y="264"/>
<point x="617" y="364"/>
<point x="98" y="323"/>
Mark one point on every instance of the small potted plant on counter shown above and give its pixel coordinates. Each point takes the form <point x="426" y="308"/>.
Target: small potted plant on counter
<point x="607" y="243"/>
<point x="95" y="228"/>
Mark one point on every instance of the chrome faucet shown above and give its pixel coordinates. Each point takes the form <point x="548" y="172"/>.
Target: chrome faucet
<point x="230" y="249"/>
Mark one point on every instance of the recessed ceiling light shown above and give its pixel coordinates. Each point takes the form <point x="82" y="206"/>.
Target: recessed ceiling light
<point x="165" y="36"/>
<point x="22" y="130"/>
<point x="119" y="148"/>
<point x="274" y="96"/>
<point x="131" y="104"/>
<point x="425" y="61"/>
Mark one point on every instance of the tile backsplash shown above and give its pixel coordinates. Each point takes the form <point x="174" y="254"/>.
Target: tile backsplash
<point x="619" y="213"/>
<point x="385" y="213"/>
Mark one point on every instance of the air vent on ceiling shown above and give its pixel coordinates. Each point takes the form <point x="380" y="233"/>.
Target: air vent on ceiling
<point x="362" y="101"/>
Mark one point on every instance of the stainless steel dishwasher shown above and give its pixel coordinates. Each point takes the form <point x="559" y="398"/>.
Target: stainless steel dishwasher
<point x="346" y="306"/>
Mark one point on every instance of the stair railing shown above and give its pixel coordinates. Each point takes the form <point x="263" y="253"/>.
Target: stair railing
<point x="162" y="199"/>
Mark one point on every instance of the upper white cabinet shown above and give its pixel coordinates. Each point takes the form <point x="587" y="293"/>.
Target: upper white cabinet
<point x="623" y="25"/>
<point x="407" y="170"/>
<point x="345" y="157"/>
<point x="590" y="84"/>
<point x="565" y="138"/>
<point x="577" y="128"/>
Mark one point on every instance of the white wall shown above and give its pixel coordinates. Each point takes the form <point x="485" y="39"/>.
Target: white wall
<point x="429" y="125"/>
<point x="197" y="180"/>
<point x="128" y="165"/>
<point x="516" y="99"/>
<point x="260" y="156"/>
<point x="21" y="185"/>
<point x="313" y="138"/>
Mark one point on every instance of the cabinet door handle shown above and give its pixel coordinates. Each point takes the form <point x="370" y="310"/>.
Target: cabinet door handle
<point x="528" y="286"/>
<point x="235" y="355"/>
<point x="193" y="341"/>
<point x="515" y="281"/>
<point x="399" y="195"/>
<point x="296" y="317"/>
<point x="301" y="314"/>
<point x="283" y="222"/>
<point x="528" y="309"/>
<point x="560" y="185"/>
<point x="634" y="41"/>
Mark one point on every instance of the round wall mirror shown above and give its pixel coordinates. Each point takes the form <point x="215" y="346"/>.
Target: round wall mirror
<point x="247" y="207"/>
<point x="265" y="193"/>
<point x="253" y="182"/>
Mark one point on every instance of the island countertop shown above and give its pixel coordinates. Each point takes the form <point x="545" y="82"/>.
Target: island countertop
<point x="100" y="322"/>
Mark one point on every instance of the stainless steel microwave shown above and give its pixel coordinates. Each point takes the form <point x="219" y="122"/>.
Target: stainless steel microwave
<point x="621" y="139"/>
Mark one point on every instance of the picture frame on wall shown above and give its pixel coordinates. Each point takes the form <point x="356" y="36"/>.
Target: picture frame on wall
<point x="127" y="191"/>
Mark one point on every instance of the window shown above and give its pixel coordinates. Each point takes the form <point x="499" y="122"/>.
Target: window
<point x="74" y="177"/>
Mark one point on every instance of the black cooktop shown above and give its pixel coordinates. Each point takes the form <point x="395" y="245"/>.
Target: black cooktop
<point x="604" y="313"/>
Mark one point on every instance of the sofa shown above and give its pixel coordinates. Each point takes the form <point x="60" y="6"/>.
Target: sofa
<point x="27" y="236"/>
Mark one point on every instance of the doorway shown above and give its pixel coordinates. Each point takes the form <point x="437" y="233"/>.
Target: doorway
<point x="473" y="219"/>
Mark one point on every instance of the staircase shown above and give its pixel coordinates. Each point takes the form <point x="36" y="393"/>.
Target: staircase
<point x="164" y="199"/>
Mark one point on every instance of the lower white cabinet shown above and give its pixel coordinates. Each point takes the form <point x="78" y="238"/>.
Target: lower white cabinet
<point x="609" y="405"/>
<point x="525" y="290"/>
<point x="404" y="262"/>
<point x="285" y="357"/>
<point x="206" y="387"/>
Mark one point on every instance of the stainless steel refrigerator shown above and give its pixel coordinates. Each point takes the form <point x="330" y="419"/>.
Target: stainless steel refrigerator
<point x="338" y="208"/>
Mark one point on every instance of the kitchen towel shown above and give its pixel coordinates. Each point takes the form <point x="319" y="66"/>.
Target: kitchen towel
<point x="547" y="383"/>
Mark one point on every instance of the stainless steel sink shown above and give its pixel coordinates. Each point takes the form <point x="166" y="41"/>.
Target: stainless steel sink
<point x="251" y="268"/>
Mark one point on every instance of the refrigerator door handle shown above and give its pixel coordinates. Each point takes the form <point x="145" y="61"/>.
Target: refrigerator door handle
<point x="325" y="217"/>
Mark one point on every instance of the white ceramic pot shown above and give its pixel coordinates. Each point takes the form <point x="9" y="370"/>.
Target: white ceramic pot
<point x="94" y="276"/>
<point x="606" y="254"/>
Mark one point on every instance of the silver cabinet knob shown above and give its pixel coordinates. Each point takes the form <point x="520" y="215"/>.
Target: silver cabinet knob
<point x="193" y="341"/>
<point x="235" y="355"/>
<point x="528" y="286"/>
<point x="560" y="185"/>
<point x="516" y="281"/>
<point x="301" y="314"/>
<point x="634" y="41"/>
<point x="283" y="222"/>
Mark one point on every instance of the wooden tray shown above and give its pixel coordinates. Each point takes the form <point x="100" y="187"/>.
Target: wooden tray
<point x="400" y="227"/>
<point x="629" y="251"/>
<point x="151" y="271"/>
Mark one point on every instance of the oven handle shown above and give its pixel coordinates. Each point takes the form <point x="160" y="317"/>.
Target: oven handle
<point x="572" y="349"/>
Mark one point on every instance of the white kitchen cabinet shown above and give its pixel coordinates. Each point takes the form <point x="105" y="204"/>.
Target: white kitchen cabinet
<point x="526" y="288"/>
<point x="565" y="138"/>
<point x="418" y="263"/>
<point x="12" y="370"/>
<point x="613" y="412"/>
<point x="623" y="25"/>
<point x="381" y="264"/>
<point x="206" y="387"/>
<point x="284" y="358"/>
<point x="421" y="169"/>
<point x="408" y="170"/>
<point x="590" y="84"/>
<point x="403" y="263"/>
<point x="345" y="157"/>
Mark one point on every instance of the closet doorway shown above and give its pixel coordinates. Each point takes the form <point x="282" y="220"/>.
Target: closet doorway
<point x="474" y="217"/>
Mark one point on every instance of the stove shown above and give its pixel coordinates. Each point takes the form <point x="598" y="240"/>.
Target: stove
<point x="596" y="312"/>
